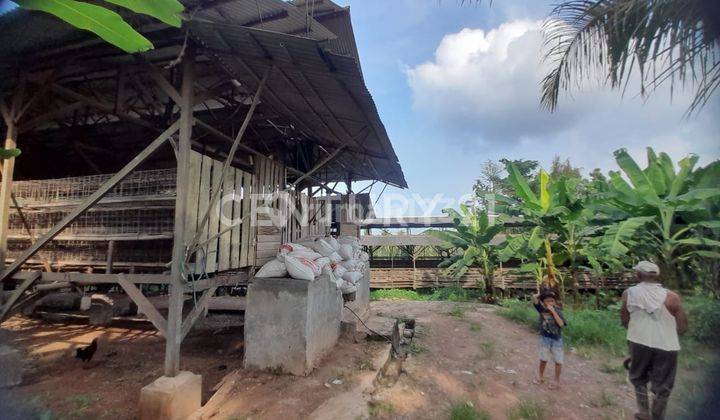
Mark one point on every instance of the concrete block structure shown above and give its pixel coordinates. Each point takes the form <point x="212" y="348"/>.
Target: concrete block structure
<point x="173" y="398"/>
<point x="291" y="324"/>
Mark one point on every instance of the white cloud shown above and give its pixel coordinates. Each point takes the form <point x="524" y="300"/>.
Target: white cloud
<point x="482" y="88"/>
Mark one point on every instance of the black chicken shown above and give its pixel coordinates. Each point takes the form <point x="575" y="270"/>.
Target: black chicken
<point x="86" y="353"/>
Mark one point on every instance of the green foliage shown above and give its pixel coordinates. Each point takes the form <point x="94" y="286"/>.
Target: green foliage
<point x="704" y="320"/>
<point x="473" y="233"/>
<point x="9" y="153"/>
<point x="663" y="215"/>
<point x="452" y="294"/>
<point x="106" y="23"/>
<point x="527" y="410"/>
<point x="466" y="411"/>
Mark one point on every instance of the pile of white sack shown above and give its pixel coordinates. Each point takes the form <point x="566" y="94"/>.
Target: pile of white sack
<point x="341" y="258"/>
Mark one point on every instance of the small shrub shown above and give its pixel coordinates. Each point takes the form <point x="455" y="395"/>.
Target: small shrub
<point x="603" y="400"/>
<point x="704" y="319"/>
<point x="475" y="326"/>
<point x="457" y="311"/>
<point x="527" y="410"/>
<point x="378" y="408"/>
<point x="416" y="349"/>
<point x="520" y="312"/>
<point x="467" y="412"/>
<point x="488" y="349"/>
<point x="612" y="368"/>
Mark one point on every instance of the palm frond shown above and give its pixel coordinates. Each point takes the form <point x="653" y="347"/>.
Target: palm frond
<point x="664" y="41"/>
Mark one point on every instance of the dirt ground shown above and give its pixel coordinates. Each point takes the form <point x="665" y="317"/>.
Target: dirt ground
<point x="462" y="354"/>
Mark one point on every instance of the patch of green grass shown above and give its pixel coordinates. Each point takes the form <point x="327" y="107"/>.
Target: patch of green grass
<point x="458" y="311"/>
<point x="395" y="294"/>
<point x="416" y="349"/>
<point x="365" y="364"/>
<point x="451" y="294"/>
<point x="466" y="411"/>
<point x="379" y="408"/>
<point x="603" y="400"/>
<point x="488" y="349"/>
<point x="475" y="326"/>
<point x="527" y="410"/>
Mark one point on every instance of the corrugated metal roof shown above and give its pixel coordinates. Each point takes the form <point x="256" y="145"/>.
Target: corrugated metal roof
<point x="324" y="93"/>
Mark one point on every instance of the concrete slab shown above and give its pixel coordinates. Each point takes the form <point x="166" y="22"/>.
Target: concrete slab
<point x="291" y="324"/>
<point x="174" y="398"/>
<point x="10" y="367"/>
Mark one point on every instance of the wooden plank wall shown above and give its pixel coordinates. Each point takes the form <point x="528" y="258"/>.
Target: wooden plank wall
<point x="235" y="248"/>
<point x="314" y="210"/>
<point x="421" y="278"/>
<point x="269" y="179"/>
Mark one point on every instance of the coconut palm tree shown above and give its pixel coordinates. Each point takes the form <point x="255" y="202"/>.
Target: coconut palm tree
<point x="661" y="41"/>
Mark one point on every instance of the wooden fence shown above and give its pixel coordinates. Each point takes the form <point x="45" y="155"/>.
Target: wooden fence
<point x="506" y="279"/>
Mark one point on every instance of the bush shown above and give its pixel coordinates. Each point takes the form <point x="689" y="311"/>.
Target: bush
<point x="704" y="319"/>
<point x="467" y="412"/>
<point x="452" y="294"/>
<point x="395" y="294"/>
<point x="519" y="311"/>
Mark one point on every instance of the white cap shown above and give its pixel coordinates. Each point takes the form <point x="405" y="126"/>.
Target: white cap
<point x="647" y="267"/>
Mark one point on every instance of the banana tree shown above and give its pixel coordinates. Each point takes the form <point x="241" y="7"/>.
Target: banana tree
<point x="662" y="214"/>
<point x="106" y="23"/>
<point x="556" y="217"/>
<point x="473" y="234"/>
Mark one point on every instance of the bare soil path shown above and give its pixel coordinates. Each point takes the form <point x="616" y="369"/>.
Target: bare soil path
<point x="466" y="353"/>
<point x="463" y="354"/>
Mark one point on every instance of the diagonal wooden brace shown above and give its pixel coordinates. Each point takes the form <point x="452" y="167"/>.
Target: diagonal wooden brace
<point x="144" y="304"/>
<point x="17" y="293"/>
<point x="197" y="311"/>
<point x="90" y="201"/>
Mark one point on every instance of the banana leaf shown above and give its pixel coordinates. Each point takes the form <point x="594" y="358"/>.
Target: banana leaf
<point x="167" y="11"/>
<point x="105" y="23"/>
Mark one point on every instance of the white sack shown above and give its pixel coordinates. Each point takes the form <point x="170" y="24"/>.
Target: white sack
<point x="308" y="254"/>
<point x="322" y="262"/>
<point x="301" y="268"/>
<point x="364" y="256"/>
<point x="291" y="247"/>
<point x="347" y="288"/>
<point x="333" y="242"/>
<point x="339" y="270"/>
<point x="346" y="251"/>
<point x="272" y="268"/>
<point x="352" y="276"/>
<point x="335" y="257"/>
<point x="323" y="247"/>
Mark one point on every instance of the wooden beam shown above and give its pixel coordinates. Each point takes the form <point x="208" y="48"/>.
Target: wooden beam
<point x="324" y="162"/>
<point x="90" y="201"/>
<point x="144" y="304"/>
<point x="177" y="270"/>
<point x="161" y="81"/>
<point x="16" y="294"/>
<point x="198" y="310"/>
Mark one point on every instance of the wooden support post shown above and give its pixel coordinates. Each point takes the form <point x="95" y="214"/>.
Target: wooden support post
<point x="177" y="280"/>
<point x="110" y="256"/>
<point x="6" y="188"/>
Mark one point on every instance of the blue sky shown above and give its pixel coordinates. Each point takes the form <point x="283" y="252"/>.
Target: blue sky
<point x="457" y="85"/>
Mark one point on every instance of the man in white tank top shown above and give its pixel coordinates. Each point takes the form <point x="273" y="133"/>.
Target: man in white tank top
<point x="654" y="317"/>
